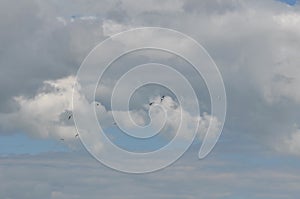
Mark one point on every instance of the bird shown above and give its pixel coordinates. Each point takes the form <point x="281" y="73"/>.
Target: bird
<point x="162" y="98"/>
<point x="97" y="104"/>
<point x="62" y="139"/>
<point x="69" y="117"/>
<point x="76" y="135"/>
<point x="150" y="104"/>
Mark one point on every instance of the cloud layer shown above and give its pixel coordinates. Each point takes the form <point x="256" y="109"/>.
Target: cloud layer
<point x="74" y="176"/>
<point x="254" y="43"/>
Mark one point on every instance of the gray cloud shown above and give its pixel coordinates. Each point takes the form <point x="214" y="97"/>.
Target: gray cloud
<point x="72" y="176"/>
<point x="254" y="43"/>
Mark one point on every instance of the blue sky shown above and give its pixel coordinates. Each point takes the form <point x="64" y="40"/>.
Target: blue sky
<point x="255" y="45"/>
<point x="290" y="2"/>
<point x="20" y="143"/>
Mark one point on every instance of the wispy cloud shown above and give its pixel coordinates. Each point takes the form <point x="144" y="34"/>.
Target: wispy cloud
<point x="71" y="176"/>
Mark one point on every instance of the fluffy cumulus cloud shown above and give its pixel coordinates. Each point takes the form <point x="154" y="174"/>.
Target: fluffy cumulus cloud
<point x="174" y="115"/>
<point x="48" y="114"/>
<point x="254" y="43"/>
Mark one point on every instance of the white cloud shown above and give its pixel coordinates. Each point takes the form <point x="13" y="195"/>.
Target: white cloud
<point x="174" y="115"/>
<point x="290" y="143"/>
<point x="111" y="27"/>
<point x="46" y="114"/>
<point x="289" y="20"/>
<point x="62" y="20"/>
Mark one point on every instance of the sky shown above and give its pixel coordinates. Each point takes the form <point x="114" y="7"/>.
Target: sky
<point x="255" y="45"/>
<point x="290" y="2"/>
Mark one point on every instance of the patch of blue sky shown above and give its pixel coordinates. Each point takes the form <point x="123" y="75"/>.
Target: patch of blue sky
<point x="20" y="143"/>
<point x="130" y="143"/>
<point x="289" y="2"/>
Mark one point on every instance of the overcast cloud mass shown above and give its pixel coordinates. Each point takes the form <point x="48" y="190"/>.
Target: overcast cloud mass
<point x="256" y="46"/>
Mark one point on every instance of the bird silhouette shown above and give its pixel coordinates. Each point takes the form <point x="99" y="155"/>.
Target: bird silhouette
<point x="162" y="98"/>
<point x="76" y="135"/>
<point x="70" y="116"/>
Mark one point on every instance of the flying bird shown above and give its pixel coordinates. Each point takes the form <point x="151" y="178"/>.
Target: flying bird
<point x="162" y="98"/>
<point x="69" y="117"/>
<point x="150" y="104"/>
<point x="76" y="135"/>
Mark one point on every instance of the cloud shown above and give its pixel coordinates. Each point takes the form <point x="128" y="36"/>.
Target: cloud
<point x="74" y="176"/>
<point x="256" y="46"/>
<point x="174" y="114"/>
<point x="112" y="27"/>
<point x="254" y="43"/>
<point x="35" y="47"/>
<point x="290" y="143"/>
<point x="46" y="115"/>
